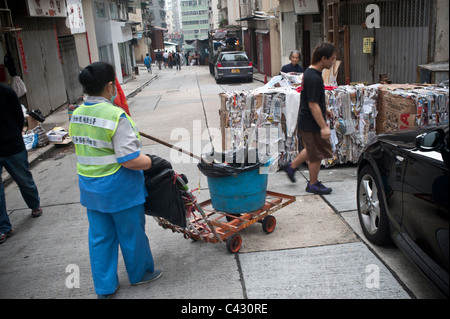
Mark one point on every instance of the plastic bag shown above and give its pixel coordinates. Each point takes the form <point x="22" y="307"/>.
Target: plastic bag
<point x="30" y="140"/>
<point x="18" y="86"/>
<point x="43" y="139"/>
<point x="37" y="115"/>
<point x="229" y="163"/>
<point x="164" y="193"/>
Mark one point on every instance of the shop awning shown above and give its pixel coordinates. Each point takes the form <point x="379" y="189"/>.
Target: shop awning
<point x="191" y="42"/>
<point x="158" y="28"/>
<point x="257" y="16"/>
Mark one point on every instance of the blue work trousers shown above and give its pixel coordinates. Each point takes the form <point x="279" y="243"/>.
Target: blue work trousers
<point x="17" y="167"/>
<point x="106" y="232"/>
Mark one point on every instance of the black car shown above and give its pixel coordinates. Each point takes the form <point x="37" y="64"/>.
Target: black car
<point x="403" y="195"/>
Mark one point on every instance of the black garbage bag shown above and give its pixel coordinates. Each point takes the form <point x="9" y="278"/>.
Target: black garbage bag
<point x="164" y="193"/>
<point x="228" y="163"/>
<point x="158" y="165"/>
<point x="37" y="115"/>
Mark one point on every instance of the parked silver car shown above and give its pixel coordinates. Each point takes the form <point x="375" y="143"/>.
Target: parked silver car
<point x="233" y="64"/>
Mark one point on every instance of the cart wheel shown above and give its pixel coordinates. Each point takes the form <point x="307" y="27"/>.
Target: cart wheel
<point x="269" y="223"/>
<point x="234" y="243"/>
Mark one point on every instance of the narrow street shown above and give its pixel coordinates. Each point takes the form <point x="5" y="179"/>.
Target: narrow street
<point x="316" y="251"/>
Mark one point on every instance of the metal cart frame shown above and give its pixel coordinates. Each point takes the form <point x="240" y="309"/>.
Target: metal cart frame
<point x="206" y="224"/>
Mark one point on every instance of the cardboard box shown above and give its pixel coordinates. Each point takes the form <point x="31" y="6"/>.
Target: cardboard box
<point x="57" y="137"/>
<point x="395" y="112"/>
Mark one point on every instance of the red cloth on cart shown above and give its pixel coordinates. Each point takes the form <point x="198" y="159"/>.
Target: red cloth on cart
<point x="120" y="99"/>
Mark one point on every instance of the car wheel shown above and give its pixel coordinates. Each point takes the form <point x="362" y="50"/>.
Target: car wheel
<point x="371" y="210"/>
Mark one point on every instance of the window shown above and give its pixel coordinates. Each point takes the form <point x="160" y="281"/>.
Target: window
<point x="194" y="3"/>
<point x="99" y="9"/>
<point x="234" y="57"/>
<point x="194" y="22"/>
<point x="123" y="13"/>
<point x="113" y="11"/>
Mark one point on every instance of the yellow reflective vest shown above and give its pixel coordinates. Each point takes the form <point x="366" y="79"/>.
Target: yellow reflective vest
<point x="91" y="130"/>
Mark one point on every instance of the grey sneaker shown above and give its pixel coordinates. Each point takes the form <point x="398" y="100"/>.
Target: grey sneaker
<point x="149" y="276"/>
<point x="318" y="188"/>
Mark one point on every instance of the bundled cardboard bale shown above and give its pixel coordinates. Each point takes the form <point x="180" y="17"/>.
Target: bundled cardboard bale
<point x="353" y="122"/>
<point x="265" y="118"/>
<point x="407" y="106"/>
<point x="359" y="113"/>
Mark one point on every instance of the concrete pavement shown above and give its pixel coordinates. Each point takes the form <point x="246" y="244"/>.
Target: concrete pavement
<point x="316" y="251"/>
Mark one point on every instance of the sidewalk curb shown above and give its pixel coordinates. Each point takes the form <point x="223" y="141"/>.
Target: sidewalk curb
<point x="138" y="89"/>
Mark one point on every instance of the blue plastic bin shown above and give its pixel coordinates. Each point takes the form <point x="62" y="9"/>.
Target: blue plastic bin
<point x="242" y="193"/>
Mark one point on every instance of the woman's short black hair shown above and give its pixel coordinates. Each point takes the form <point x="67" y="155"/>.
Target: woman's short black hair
<point x="95" y="76"/>
<point x="322" y="50"/>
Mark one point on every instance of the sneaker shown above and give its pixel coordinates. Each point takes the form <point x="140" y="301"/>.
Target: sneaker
<point x="36" y="212"/>
<point x="3" y="236"/>
<point x="148" y="277"/>
<point x="318" y="188"/>
<point x="289" y="171"/>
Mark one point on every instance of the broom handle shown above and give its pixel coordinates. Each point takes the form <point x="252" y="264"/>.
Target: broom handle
<point x="170" y="145"/>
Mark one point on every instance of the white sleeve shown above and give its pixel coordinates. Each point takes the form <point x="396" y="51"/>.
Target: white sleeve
<point x="125" y="142"/>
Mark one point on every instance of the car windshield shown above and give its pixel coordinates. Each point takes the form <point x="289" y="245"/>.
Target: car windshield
<point x="235" y="57"/>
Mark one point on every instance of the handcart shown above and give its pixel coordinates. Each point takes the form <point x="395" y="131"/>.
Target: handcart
<point x="204" y="223"/>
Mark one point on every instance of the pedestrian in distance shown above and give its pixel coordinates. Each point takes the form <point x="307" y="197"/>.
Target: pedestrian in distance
<point x="159" y="59"/>
<point x="186" y="55"/>
<point x="314" y="131"/>
<point x="165" y="58"/>
<point x="197" y="58"/>
<point x="148" y="63"/>
<point x="14" y="158"/>
<point x="111" y="180"/>
<point x="170" y="60"/>
<point x="178" y="58"/>
<point x="293" y="67"/>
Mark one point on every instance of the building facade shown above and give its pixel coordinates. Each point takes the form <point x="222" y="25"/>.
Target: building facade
<point x="49" y="41"/>
<point x="195" y="21"/>
<point x="174" y="29"/>
<point x="261" y="33"/>
<point x="42" y="50"/>
<point x="374" y="38"/>
<point x="158" y="13"/>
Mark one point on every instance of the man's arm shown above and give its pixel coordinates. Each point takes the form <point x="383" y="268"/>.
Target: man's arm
<point x="318" y="117"/>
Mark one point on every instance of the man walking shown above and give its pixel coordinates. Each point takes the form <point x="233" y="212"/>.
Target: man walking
<point x="314" y="131"/>
<point x="148" y="63"/>
<point x="159" y="59"/>
<point x="14" y="158"/>
<point x="178" y="58"/>
<point x="165" y="58"/>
